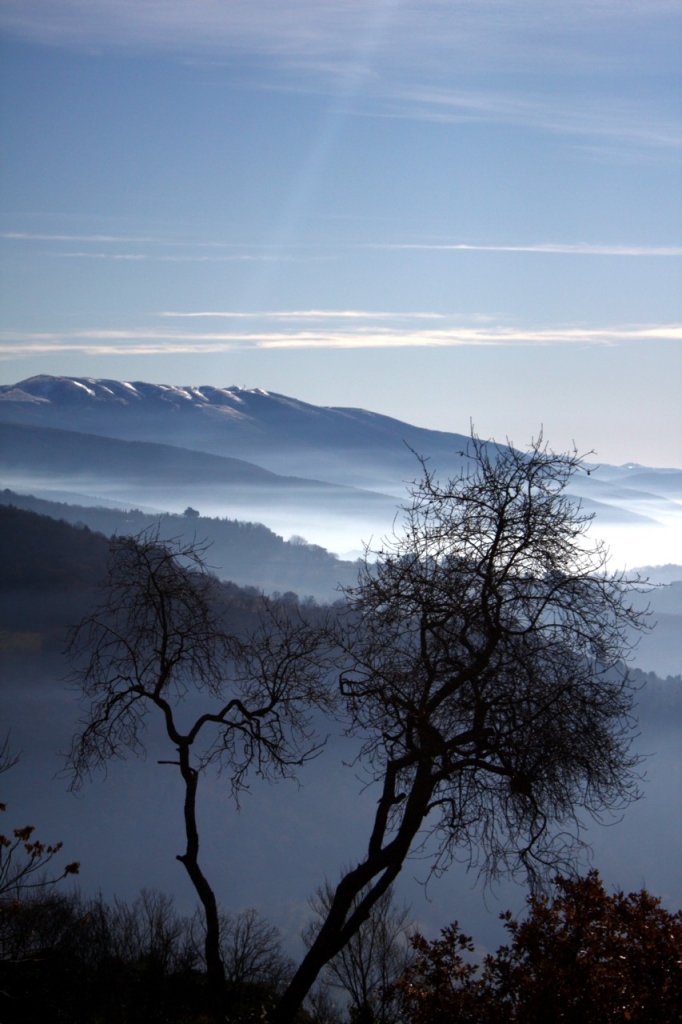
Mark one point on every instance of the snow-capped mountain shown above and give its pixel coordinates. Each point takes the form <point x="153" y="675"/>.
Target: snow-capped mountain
<point x="280" y="433"/>
<point x="352" y="447"/>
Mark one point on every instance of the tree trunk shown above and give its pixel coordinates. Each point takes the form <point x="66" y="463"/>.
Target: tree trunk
<point x="345" y="915"/>
<point x="215" y="970"/>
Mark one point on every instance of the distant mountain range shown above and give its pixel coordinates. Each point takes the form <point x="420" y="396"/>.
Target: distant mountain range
<point x="253" y="452"/>
<point x="44" y="452"/>
<point x="282" y="434"/>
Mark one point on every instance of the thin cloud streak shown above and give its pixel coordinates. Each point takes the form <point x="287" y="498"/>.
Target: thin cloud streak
<point x="157" y="342"/>
<point x="238" y="256"/>
<point x="546" y="248"/>
<point x="30" y="236"/>
<point x="152" y="258"/>
<point x="307" y="314"/>
<point x="604" y="118"/>
<point x="26" y="236"/>
<point x="558" y="248"/>
<point x="309" y="35"/>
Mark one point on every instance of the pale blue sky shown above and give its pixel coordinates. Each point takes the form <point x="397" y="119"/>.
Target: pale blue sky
<point x="441" y="210"/>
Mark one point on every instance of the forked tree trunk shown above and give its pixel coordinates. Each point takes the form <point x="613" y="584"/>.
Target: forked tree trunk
<point x="357" y="892"/>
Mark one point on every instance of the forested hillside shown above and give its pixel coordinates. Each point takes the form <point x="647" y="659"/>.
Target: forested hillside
<point x="247" y="553"/>
<point x="52" y="571"/>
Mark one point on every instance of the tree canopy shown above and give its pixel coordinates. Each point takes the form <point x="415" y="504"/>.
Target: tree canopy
<point x="581" y="956"/>
<point x="481" y="664"/>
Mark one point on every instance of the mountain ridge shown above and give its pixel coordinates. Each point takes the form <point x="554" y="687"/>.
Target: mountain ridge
<point x="326" y="446"/>
<point x="249" y="410"/>
<point x="278" y="432"/>
<point x="65" y="450"/>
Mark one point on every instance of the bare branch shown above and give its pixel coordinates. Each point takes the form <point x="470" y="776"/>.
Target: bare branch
<point x="483" y="663"/>
<point x="161" y="633"/>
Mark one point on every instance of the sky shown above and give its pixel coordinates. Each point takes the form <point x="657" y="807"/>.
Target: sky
<point x="445" y="211"/>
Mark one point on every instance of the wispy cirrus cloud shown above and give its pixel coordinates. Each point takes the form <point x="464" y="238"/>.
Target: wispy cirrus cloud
<point x="549" y="248"/>
<point x="215" y="250"/>
<point x="101" y="239"/>
<point x="304" y="314"/>
<point x="156" y="341"/>
<point x="31" y="236"/>
<point x="408" y="57"/>
<point x="161" y="258"/>
<point x="201" y="251"/>
<point x="605" y="118"/>
<point x="319" y="35"/>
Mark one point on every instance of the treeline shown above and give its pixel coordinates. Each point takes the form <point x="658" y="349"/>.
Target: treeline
<point x="69" y="958"/>
<point x="658" y="699"/>
<point x="579" y="955"/>
<point x="246" y="553"/>
<point x="45" y="554"/>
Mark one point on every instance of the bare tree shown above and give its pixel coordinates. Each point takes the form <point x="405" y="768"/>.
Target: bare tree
<point x="372" y="961"/>
<point x="252" y="951"/>
<point x="250" y="947"/>
<point x="159" y="638"/>
<point x="149" y="929"/>
<point x="321" y="1006"/>
<point x="482" y="667"/>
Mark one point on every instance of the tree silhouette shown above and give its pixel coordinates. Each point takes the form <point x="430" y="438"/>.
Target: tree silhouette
<point x="161" y="634"/>
<point x="481" y="662"/>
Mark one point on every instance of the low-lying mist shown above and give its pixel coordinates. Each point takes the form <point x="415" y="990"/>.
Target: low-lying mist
<point x="285" y="839"/>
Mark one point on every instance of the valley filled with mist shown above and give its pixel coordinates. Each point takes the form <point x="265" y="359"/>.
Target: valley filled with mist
<point x="273" y="487"/>
<point x="332" y="475"/>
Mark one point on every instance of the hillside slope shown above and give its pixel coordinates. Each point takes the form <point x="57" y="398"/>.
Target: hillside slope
<point x="247" y="553"/>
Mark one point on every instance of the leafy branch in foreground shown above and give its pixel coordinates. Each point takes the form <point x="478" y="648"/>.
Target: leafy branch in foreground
<point x="582" y="957"/>
<point x="23" y="860"/>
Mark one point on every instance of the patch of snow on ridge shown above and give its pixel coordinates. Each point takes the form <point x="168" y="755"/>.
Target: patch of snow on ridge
<point x="77" y="384"/>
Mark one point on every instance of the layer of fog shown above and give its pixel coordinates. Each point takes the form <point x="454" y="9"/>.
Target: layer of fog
<point x="126" y="829"/>
<point x="646" y="532"/>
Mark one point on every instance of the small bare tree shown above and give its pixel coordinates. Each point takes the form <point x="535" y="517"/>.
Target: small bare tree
<point x="252" y="951"/>
<point x="161" y="637"/>
<point x="482" y="667"/>
<point x="250" y="948"/>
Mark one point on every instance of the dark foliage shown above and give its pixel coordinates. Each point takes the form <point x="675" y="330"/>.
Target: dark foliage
<point x="581" y="957"/>
<point x="658" y="700"/>
<point x="40" y="553"/>
<point x="247" y="553"/>
<point x="72" y="960"/>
